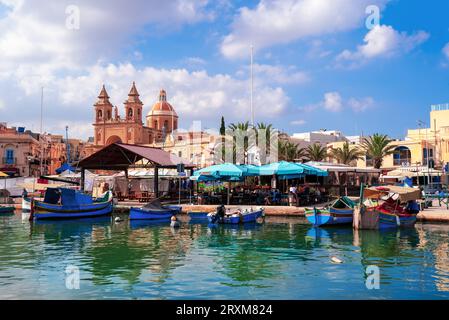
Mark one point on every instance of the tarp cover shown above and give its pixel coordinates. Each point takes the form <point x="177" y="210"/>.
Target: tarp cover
<point x="405" y="194"/>
<point x="154" y="205"/>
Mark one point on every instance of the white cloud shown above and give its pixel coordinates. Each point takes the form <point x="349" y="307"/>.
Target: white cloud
<point x="274" y="22"/>
<point x="2" y="104"/>
<point x="300" y="122"/>
<point x="195" y="95"/>
<point x="333" y="101"/>
<point x="279" y="74"/>
<point x="383" y="41"/>
<point x="446" y="50"/>
<point x="35" y="32"/>
<point x="360" y="105"/>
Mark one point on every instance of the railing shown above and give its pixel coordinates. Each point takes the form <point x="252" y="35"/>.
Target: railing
<point x="440" y="107"/>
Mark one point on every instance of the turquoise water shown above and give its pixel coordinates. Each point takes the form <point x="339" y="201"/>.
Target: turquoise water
<point x="281" y="259"/>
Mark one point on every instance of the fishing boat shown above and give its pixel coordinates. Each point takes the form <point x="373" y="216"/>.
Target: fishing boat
<point x="154" y="211"/>
<point x="237" y="216"/>
<point x="341" y="211"/>
<point x="26" y="204"/>
<point x="6" y="209"/>
<point x="391" y="210"/>
<point x="62" y="203"/>
<point x="198" y="215"/>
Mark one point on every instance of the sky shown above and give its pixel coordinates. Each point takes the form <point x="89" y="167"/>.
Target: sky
<point x="358" y="66"/>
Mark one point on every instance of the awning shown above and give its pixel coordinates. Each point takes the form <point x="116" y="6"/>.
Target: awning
<point x="405" y="194"/>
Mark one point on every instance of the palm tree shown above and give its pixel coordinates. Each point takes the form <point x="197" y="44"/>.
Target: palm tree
<point x="289" y="151"/>
<point x="242" y="130"/>
<point x="316" y="152"/>
<point x="346" y="155"/>
<point x="377" y="147"/>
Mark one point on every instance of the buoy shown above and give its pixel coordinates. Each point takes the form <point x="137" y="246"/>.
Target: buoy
<point x="174" y="222"/>
<point x="336" y="260"/>
<point x="118" y="219"/>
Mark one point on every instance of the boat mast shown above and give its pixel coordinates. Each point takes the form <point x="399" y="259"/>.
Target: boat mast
<point x="252" y="86"/>
<point x="41" y="132"/>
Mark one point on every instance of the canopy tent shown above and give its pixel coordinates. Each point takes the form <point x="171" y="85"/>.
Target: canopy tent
<point x="222" y="171"/>
<point x="65" y="167"/>
<point x="282" y="168"/>
<point x="335" y="167"/>
<point x="405" y="194"/>
<point x="120" y="157"/>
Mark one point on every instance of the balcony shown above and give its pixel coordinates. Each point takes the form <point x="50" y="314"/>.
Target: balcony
<point x="9" y="161"/>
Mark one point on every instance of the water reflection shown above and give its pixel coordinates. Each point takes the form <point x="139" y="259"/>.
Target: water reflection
<point x="283" y="258"/>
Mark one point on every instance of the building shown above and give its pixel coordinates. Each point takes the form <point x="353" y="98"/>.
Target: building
<point x="20" y="151"/>
<point x="159" y="130"/>
<point x="322" y="137"/>
<point x="110" y="127"/>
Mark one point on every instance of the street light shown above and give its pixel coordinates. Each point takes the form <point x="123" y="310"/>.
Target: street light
<point x="420" y="123"/>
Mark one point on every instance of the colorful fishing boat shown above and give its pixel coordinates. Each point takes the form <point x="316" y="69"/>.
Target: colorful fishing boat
<point x="154" y="211"/>
<point x="237" y="216"/>
<point x="341" y="211"/>
<point x="393" y="210"/>
<point x="7" y="209"/>
<point x="198" y="215"/>
<point x="62" y="203"/>
<point x="26" y="204"/>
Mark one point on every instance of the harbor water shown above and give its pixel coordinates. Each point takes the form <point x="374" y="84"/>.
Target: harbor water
<point x="280" y="259"/>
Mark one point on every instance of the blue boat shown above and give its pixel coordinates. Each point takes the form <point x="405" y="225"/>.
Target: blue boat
<point x="198" y="215"/>
<point x="62" y="203"/>
<point x="236" y="217"/>
<point x="340" y="212"/>
<point x="6" y="210"/>
<point x="154" y="211"/>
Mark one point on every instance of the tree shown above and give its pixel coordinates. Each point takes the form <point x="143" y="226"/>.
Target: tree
<point x="346" y="154"/>
<point x="316" y="152"/>
<point x="289" y="151"/>
<point x="222" y="127"/>
<point x="377" y="147"/>
<point x="242" y="131"/>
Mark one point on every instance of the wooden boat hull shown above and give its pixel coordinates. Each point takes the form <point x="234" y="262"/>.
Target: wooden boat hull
<point x="331" y="216"/>
<point x="139" y="214"/>
<point x="48" y="211"/>
<point x="198" y="215"/>
<point x="7" y="210"/>
<point x="26" y="205"/>
<point x="389" y="220"/>
<point x="250" y="217"/>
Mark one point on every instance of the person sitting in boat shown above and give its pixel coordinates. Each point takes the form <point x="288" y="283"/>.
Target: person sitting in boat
<point x="412" y="207"/>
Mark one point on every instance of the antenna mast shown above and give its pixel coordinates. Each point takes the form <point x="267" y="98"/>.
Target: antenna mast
<point x="252" y="86"/>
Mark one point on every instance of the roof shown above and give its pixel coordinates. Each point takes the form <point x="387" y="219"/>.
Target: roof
<point x="120" y="156"/>
<point x="335" y="167"/>
<point x="162" y="107"/>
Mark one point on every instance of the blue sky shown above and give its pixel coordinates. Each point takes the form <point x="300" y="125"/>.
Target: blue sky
<point x="317" y="65"/>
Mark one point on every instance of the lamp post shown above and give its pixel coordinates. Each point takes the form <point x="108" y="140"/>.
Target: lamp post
<point x="420" y="123"/>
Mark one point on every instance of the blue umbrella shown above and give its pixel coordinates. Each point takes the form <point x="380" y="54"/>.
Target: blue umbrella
<point x="222" y="171"/>
<point x="313" y="171"/>
<point x="282" y="168"/>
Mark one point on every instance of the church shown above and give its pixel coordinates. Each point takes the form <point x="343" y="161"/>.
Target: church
<point x="159" y="130"/>
<point x="110" y="127"/>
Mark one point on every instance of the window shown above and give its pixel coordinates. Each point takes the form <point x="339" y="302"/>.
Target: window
<point x="424" y="152"/>
<point x="109" y="115"/>
<point x="155" y="124"/>
<point x="369" y="161"/>
<point x="100" y="114"/>
<point x="166" y="124"/>
<point x="130" y="113"/>
<point x="9" y="156"/>
<point x="180" y="154"/>
<point x="402" y="156"/>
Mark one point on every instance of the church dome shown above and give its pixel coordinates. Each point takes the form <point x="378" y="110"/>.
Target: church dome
<point x="162" y="107"/>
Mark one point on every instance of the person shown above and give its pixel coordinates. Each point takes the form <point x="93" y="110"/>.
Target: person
<point x="24" y="193"/>
<point x="412" y="207"/>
